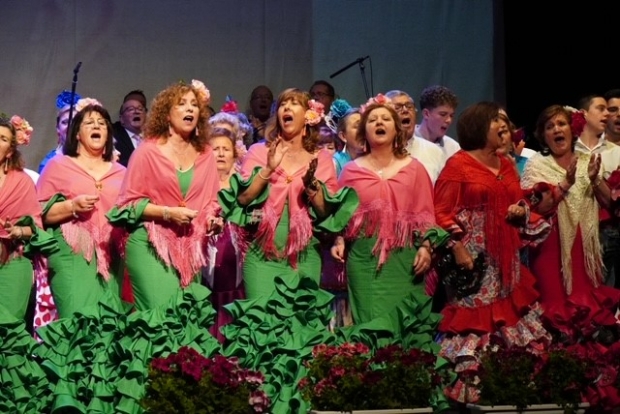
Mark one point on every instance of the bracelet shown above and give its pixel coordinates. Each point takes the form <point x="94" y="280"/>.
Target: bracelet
<point x="21" y="232"/>
<point x="263" y="177"/>
<point x="166" y="213"/>
<point x="73" y="212"/>
<point x="596" y="182"/>
<point x="427" y="247"/>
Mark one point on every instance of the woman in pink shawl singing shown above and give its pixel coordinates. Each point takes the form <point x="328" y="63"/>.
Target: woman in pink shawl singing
<point x="393" y="233"/>
<point x="168" y="200"/>
<point x="78" y="189"/>
<point x="20" y="220"/>
<point x="288" y="195"/>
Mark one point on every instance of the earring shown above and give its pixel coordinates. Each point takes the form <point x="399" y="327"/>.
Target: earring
<point x="6" y="165"/>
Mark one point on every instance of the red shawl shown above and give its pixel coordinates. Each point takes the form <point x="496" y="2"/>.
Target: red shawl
<point x="394" y="210"/>
<point x="150" y="175"/>
<point x="466" y="184"/>
<point x="91" y="232"/>
<point x="18" y="198"/>
<point x="283" y="188"/>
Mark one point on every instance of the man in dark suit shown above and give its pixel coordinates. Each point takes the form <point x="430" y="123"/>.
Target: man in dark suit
<point x="128" y="128"/>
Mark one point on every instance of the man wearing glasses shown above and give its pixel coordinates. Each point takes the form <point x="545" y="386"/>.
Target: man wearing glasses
<point x="429" y="154"/>
<point x="128" y="128"/>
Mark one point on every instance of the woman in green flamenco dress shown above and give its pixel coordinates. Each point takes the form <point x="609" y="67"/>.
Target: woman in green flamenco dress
<point x="285" y="195"/>
<point x="393" y="233"/>
<point x="23" y="386"/>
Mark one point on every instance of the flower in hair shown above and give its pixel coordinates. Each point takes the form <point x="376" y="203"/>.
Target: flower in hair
<point x="577" y="120"/>
<point x="64" y="98"/>
<point x="314" y="113"/>
<point x="84" y="102"/>
<point x="339" y="109"/>
<point x="380" y="99"/>
<point x="203" y="93"/>
<point x="230" y="106"/>
<point x="23" y="130"/>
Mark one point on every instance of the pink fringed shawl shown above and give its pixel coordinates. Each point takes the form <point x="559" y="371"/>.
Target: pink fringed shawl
<point x="150" y="175"/>
<point x="18" y="198"/>
<point x="91" y="232"/>
<point x="393" y="210"/>
<point x="283" y="187"/>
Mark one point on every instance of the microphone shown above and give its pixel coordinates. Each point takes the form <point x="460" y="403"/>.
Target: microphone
<point x="356" y="61"/>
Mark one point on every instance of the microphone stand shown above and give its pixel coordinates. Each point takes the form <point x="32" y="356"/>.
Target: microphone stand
<point x="73" y="85"/>
<point x="360" y="62"/>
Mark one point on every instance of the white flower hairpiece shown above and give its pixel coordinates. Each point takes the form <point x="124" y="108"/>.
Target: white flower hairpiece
<point x="84" y="102"/>
<point x="203" y="93"/>
<point x="23" y="130"/>
<point x="315" y="113"/>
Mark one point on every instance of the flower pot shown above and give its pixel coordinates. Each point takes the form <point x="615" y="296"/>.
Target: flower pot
<point x="532" y="409"/>
<point x="406" y="411"/>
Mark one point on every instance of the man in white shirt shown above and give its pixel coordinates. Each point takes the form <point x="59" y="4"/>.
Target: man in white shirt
<point x="438" y="105"/>
<point x="128" y="128"/>
<point x="429" y="155"/>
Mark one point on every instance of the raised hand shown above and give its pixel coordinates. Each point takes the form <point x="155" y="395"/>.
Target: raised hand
<point x="310" y="182"/>
<point x="571" y="171"/>
<point x="275" y="154"/>
<point x="594" y="166"/>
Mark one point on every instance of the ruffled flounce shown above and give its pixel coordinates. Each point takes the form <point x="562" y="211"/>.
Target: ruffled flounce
<point x="506" y="311"/>
<point x="583" y="312"/>
<point x="463" y="350"/>
<point x="24" y="387"/>
<point x="97" y="360"/>
<point x="276" y="334"/>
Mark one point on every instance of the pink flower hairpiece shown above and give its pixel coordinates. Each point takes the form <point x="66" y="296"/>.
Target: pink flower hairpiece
<point x="315" y="112"/>
<point x="380" y="99"/>
<point x="577" y="120"/>
<point x="203" y="93"/>
<point x="84" y="102"/>
<point x="23" y="130"/>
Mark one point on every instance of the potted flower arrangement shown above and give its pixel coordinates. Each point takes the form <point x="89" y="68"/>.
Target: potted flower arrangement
<point x="347" y="378"/>
<point x="513" y="379"/>
<point x="188" y="382"/>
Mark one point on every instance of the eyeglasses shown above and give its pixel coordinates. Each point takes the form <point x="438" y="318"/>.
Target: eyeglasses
<point x="134" y="109"/>
<point x="408" y="106"/>
<point x="91" y="123"/>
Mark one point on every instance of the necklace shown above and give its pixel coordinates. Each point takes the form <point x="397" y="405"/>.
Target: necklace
<point x="378" y="170"/>
<point x="180" y="155"/>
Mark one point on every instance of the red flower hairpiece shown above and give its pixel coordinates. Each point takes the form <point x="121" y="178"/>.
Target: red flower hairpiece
<point x="230" y="107"/>
<point x="518" y="136"/>
<point x="577" y="120"/>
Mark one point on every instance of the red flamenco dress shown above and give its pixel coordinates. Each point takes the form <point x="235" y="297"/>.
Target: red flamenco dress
<point x="471" y="202"/>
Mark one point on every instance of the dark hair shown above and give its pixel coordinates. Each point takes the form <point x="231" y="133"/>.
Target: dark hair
<point x="330" y="88"/>
<point x="585" y="101"/>
<point x="611" y="94"/>
<point x="400" y="141"/>
<point x="437" y="95"/>
<point x="158" y="123"/>
<point x="273" y="128"/>
<point x="136" y="94"/>
<point x="226" y="133"/>
<point x="473" y="125"/>
<point x="70" y="147"/>
<point x="544" y="117"/>
<point x="15" y="162"/>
